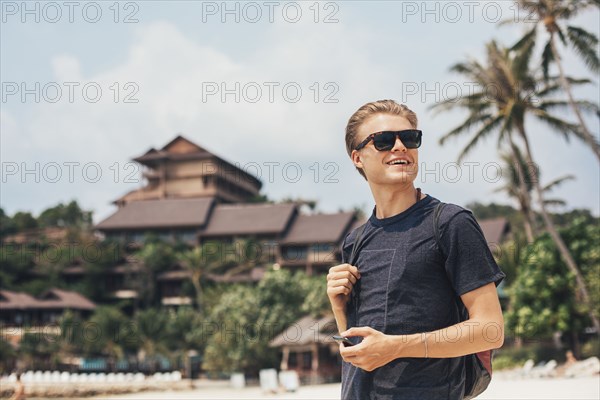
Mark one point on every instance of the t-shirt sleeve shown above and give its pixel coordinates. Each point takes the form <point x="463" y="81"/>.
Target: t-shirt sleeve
<point x="469" y="263"/>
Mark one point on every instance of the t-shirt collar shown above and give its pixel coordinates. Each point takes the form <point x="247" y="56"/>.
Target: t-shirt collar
<point x="395" y="218"/>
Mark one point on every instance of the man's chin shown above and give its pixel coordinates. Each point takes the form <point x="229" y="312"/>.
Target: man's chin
<point x="397" y="179"/>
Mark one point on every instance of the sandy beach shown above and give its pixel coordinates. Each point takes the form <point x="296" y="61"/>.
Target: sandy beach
<point x="556" y="388"/>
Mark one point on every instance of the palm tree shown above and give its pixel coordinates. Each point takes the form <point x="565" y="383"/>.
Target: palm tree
<point x="514" y="188"/>
<point x="151" y="328"/>
<point x="503" y="111"/>
<point x="155" y="257"/>
<point x="247" y="253"/>
<point x="112" y="327"/>
<point x="515" y="164"/>
<point x="547" y="14"/>
<point x="219" y="258"/>
<point x="201" y="261"/>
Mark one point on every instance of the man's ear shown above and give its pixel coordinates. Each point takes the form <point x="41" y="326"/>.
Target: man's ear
<point x="355" y="155"/>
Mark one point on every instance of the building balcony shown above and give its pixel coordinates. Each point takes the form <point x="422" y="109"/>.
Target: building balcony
<point x="177" y="301"/>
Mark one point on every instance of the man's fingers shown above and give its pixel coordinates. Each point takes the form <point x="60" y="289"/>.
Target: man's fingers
<point x="342" y="275"/>
<point x="345" y="267"/>
<point x="334" y="291"/>
<point x="339" y="267"/>
<point x="341" y="282"/>
<point x="358" y="331"/>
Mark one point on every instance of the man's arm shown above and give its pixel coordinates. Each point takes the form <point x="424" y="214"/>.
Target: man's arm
<point x="340" y="281"/>
<point x="483" y="330"/>
<point x="340" y="319"/>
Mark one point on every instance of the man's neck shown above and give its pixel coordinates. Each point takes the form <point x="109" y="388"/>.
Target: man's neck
<point x="392" y="202"/>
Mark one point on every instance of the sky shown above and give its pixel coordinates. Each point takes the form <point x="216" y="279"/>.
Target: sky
<point x="268" y="86"/>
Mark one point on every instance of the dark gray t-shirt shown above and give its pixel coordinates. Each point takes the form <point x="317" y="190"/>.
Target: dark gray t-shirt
<point x="406" y="287"/>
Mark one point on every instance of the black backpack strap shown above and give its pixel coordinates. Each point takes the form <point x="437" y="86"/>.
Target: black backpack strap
<point x="436" y="228"/>
<point x="356" y="245"/>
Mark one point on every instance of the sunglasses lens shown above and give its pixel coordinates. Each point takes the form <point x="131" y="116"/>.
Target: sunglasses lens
<point x="384" y="141"/>
<point x="411" y="139"/>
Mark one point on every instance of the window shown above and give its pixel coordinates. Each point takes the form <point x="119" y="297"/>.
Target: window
<point x="136" y="236"/>
<point x="186" y="235"/>
<point x="293" y="360"/>
<point x="294" y="253"/>
<point x="321" y="247"/>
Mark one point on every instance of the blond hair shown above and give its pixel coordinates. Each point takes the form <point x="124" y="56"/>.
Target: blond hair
<point x="370" y="109"/>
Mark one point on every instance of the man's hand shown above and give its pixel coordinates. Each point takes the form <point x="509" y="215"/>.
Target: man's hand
<point x="340" y="281"/>
<point x="375" y="350"/>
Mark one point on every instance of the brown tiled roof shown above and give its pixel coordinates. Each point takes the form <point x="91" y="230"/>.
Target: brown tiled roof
<point x="188" y="150"/>
<point x="192" y="149"/>
<point x="53" y="298"/>
<point x="16" y="300"/>
<point x="319" y="228"/>
<point x="356" y="224"/>
<point x="160" y="214"/>
<point x="494" y="229"/>
<point x="57" y="298"/>
<point x="248" y="219"/>
<point x="305" y="331"/>
<point x="159" y="155"/>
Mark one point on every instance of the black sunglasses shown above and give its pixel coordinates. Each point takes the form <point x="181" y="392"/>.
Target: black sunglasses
<point x="383" y="141"/>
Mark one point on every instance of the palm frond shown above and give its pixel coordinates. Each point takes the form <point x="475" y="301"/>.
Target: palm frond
<point x="472" y="69"/>
<point x="558" y="125"/>
<point x="585" y="44"/>
<point x="525" y="40"/>
<point x="572" y="81"/>
<point x="472" y="120"/>
<point x="554" y="202"/>
<point x="500" y="73"/>
<point x="584" y="105"/>
<point x="520" y="64"/>
<point x="475" y="103"/>
<point x="547" y="58"/>
<point x="484" y="131"/>
<point x="549" y="89"/>
<point x="557" y="182"/>
<point x="574" y="7"/>
<point x="553" y="84"/>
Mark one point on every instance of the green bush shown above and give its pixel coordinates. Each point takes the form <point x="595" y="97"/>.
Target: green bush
<point x="505" y="362"/>
<point x="591" y="349"/>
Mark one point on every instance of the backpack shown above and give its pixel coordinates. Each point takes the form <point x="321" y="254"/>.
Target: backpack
<point x="478" y="366"/>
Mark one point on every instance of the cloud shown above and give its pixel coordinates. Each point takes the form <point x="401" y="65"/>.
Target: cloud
<point x="164" y="72"/>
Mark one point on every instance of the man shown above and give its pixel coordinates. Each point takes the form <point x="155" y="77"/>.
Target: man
<point x="398" y="300"/>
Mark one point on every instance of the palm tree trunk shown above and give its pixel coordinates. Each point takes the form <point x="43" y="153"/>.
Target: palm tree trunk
<point x="587" y="136"/>
<point x="582" y="292"/>
<point x="524" y="197"/>
<point x="198" y="287"/>
<point x="528" y="223"/>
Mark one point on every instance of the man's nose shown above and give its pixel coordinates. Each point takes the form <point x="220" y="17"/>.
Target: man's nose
<point x="398" y="145"/>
